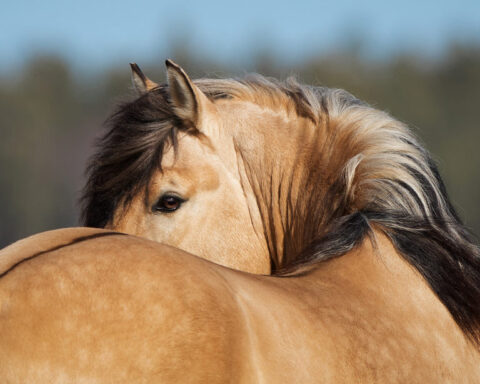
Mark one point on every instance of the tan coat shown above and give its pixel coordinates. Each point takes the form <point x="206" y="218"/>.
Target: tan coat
<point x="116" y="308"/>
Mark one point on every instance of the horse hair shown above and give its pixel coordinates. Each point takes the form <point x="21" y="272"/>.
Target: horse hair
<point x="374" y="173"/>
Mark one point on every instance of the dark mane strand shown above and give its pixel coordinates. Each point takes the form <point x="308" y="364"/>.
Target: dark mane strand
<point x="127" y="155"/>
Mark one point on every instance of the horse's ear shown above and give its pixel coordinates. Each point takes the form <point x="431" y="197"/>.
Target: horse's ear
<point x="141" y="82"/>
<point x="187" y="100"/>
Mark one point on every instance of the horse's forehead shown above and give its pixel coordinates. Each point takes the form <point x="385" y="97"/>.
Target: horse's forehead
<point x="190" y="152"/>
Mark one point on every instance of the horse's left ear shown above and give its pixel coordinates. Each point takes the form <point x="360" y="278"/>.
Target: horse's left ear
<point x="141" y="82"/>
<point x="187" y="99"/>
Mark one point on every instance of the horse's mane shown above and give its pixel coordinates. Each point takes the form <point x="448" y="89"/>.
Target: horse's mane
<point x="370" y="171"/>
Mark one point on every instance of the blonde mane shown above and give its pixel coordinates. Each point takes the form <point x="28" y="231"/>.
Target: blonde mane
<point x="381" y="161"/>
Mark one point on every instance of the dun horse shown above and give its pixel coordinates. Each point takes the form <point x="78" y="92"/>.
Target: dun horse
<point x="364" y="271"/>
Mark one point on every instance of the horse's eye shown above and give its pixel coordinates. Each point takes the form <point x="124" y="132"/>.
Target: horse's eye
<point x="168" y="203"/>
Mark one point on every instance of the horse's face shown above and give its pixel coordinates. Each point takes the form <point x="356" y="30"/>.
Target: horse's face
<point x="197" y="202"/>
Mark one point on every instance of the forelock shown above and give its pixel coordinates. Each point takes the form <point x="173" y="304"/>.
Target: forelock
<point x="127" y="155"/>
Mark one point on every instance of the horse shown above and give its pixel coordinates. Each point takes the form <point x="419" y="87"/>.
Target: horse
<point x="302" y="236"/>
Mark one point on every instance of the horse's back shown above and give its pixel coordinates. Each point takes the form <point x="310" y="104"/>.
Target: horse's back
<point x="103" y="307"/>
<point x="84" y="305"/>
<point x="43" y="242"/>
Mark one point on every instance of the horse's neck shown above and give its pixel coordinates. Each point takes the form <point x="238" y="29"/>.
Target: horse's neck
<point x="388" y="307"/>
<point x="375" y="271"/>
<point x="367" y="315"/>
<point x="368" y="308"/>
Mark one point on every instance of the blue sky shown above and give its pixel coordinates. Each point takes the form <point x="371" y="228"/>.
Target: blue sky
<point x="98" y="33"/>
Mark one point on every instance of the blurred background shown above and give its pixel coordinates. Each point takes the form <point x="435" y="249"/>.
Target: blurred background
<point x="64" y="66"/>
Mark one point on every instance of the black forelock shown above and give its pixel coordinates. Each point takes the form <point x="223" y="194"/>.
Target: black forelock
<point x="127" y="155"/>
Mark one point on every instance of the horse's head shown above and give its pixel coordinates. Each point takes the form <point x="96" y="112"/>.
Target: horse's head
<point x="168" y="170"/>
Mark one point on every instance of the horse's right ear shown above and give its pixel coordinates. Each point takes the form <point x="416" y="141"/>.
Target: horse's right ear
<point x="141" y="82"/>
<point x="186" y="98"/>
